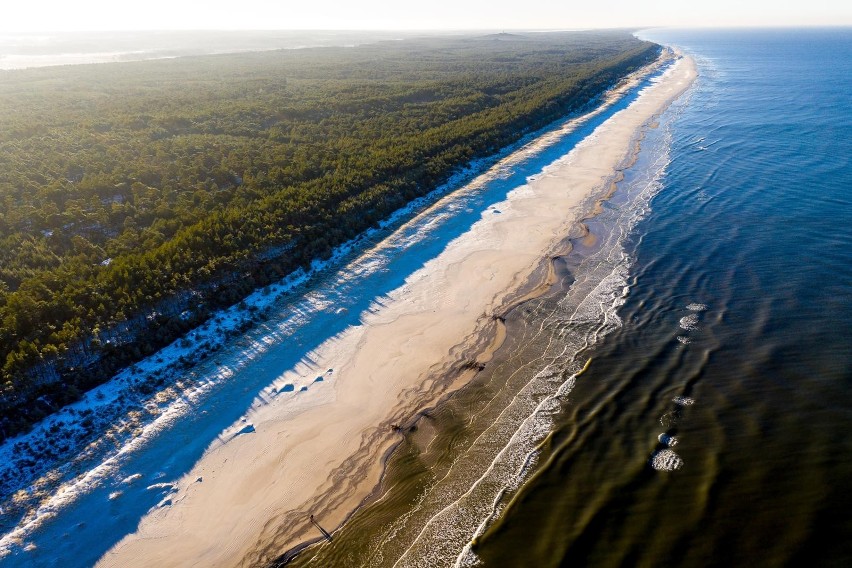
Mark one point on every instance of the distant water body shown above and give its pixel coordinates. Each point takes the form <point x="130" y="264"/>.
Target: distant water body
<point x="24" y="50"/>
<point x="713" y="427"/>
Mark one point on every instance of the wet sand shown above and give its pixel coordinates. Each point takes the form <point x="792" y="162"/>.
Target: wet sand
<point x="322" y="451"/>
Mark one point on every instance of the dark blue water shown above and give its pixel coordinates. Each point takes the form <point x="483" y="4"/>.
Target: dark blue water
<point x="737" y="337"/>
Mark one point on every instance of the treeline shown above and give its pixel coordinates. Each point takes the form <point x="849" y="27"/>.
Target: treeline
<point x="139" y="197"/>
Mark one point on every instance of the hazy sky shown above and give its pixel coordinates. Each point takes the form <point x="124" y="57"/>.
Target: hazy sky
<point x="71" y="15"/>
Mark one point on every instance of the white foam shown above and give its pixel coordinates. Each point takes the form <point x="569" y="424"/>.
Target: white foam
<point x="670" y="441"/>
<point x="689" y="322"/>
<point x="684" y="339"/>
<point x="666" y="460"/>
<point x="694" y="307"/>
<point x="683" y="400"/>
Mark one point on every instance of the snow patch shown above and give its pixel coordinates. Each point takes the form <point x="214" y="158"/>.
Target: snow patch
<point x="131" y="478"/>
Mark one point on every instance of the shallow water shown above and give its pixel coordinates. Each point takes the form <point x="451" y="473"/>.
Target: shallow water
<point x="711" y="425"/>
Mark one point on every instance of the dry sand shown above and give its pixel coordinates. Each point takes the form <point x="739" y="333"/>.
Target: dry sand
<point x="321" y="451"/>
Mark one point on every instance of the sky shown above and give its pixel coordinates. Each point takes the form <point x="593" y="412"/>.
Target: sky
<point x="99" y="15"/>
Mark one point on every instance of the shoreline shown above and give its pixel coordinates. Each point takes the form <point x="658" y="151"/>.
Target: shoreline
<point x="93" y="471"/>
<point x="57" y="485"/>
<point x="535" y="288"/>
<point x="384" y="354"/>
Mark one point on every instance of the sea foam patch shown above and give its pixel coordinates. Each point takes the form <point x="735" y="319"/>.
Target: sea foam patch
<point x="666" y="460"/>
<point x="668" y="440"/>
<point x="689" y="322"/>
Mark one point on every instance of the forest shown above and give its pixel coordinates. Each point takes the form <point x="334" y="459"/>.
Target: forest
<point x="137" y="198"/>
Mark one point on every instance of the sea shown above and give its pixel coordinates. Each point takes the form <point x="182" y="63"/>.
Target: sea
<point x="681" y="395"/>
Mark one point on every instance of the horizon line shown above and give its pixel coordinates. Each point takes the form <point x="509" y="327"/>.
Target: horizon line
<point x="429" y="30"/>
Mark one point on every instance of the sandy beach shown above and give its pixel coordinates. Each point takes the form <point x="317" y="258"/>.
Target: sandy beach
<point x="321" y="451"/>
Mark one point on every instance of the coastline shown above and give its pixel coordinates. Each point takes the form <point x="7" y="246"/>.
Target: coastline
<point x="137" y="436"/>
<point x="384" y="371"/>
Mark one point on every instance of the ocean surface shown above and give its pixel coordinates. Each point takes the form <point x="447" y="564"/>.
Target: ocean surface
<point x="683" y="395"/>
